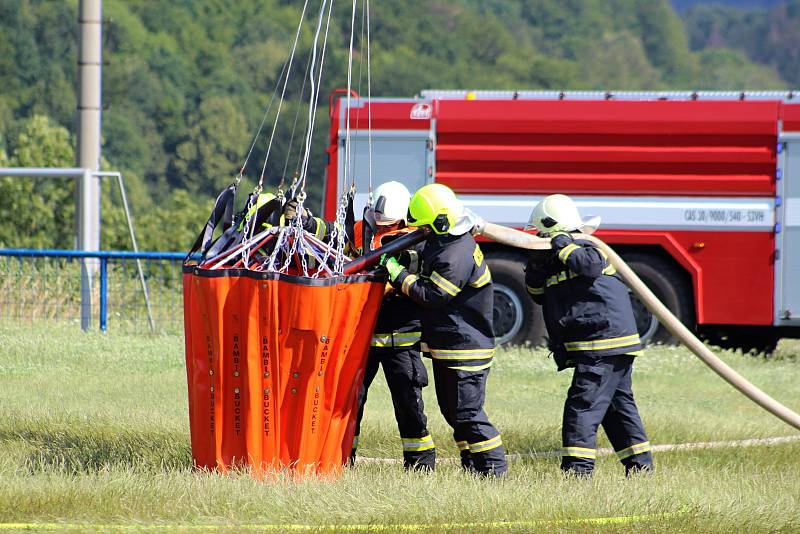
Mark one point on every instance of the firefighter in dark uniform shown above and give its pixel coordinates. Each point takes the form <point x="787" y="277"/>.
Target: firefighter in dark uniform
<point x="591" y="326"/>
<point x="396" y="340"/>
<point x="455" y="297"/>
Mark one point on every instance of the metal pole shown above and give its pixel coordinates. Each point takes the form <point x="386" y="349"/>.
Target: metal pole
<point x="103" y="294"/>
<point x="145" y="292"/>
<point x="86" y="243"/>
<point x="89" y="110"/>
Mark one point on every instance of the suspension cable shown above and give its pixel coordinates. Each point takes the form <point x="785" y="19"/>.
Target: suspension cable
<point x="357" y="140"/>
<point x="296" y="117"/>
<point x="283" y="93"/>
<point x="263" y="121"/>
<point x="349" y="89"/>
<point x="315" y="89"/>
<point x="249" y="229"/>
<point x="369" y="107"/>
<point x="298" y="243"/>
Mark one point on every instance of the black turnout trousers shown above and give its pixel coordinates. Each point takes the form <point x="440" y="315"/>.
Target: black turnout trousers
<point x="406" y="376"/>
<point x="461" y="395"/>
<point x="601" y="394"/>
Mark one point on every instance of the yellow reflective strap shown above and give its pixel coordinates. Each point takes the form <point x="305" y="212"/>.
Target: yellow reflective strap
<point x="487" y="445"/>
<point x="483" y="279"/>
<point x="564" y="253"/>
<point x="403" y="339"/>
<point x="633" y="450"/>
<point x="407" y="281"/>
<point x="462" y="445"/>
<point x="579" y="452"/>
<point x="407" y="335"/>
<point x="601" y="344"/>
<point x="464" y="354"/>
<point x="535" y="290"/>
<point x="320" y="232"/>
<point x="418" y="444"/>
<point x="608" y="269"/>
<point x="472" y="367"/>
<point x="382" y="340"/>
<point x="560" y="277"/>
<point x="444" y="283"/>
<point x="477" y="255"/>
<point x="463" y="351"/>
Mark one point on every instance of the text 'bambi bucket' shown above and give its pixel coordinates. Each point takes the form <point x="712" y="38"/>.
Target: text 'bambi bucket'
<point x="274" y="363"/>
<point x="278" y="317"/>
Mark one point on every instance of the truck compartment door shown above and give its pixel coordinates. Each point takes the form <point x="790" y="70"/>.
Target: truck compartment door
<point x="401" y="155"/>
<point x="787" y="266"/>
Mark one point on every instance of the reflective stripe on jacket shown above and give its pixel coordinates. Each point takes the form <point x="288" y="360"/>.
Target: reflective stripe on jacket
<point x="398" y="325"/>
<point x="455" y="295"/>
<point x="587" y="307"/>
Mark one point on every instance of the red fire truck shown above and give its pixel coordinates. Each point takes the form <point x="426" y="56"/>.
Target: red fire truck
<point x="699" y="192"/>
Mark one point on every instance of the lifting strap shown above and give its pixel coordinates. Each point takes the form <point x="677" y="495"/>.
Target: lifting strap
<point x="221" y="215"/>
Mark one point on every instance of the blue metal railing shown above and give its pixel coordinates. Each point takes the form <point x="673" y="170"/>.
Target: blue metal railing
<point x="43" y="281"/>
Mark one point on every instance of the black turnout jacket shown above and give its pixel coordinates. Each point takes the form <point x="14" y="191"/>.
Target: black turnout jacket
<point x="455" y="296"/>
<point x="587" y="307"/>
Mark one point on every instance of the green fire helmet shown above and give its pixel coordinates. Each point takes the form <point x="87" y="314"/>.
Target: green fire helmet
<point x="262" y="199"/>
<point x="434" y="205"/>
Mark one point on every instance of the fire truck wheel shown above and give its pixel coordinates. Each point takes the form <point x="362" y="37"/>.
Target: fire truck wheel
<point x="671" y="288"/>
<point x="750" y="340"/>
<point x="517" y="319"/>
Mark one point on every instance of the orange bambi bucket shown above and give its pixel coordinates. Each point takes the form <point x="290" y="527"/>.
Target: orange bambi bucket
<point x="274" y="363"/>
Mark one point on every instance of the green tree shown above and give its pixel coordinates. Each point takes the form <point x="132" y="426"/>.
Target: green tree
<point x="39" y="212"/>
<point x="209" y="156"/>
<point x="186" y="82"/>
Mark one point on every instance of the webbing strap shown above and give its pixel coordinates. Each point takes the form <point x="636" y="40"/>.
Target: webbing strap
<point x="368" y="228"/>
<point x="221" y="215"/>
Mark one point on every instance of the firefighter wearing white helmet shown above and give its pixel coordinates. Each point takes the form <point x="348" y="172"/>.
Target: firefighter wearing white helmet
<point x="591" y="327"/>
<point x="396" y="338"/>
<point x="555" y="213"/>
<point x="455" y="297"/>
<point x="391" y="203"/>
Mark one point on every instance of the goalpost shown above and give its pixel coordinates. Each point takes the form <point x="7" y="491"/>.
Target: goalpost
<point x="88" y="225"/>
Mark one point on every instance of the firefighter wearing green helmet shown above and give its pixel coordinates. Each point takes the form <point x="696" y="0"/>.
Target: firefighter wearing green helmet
<point x="455" y="295"/>
<point x="260" y="223"/>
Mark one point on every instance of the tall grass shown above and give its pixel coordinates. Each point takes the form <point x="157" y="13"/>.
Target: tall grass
<point x="49" y="288"/>
<point x="93" y="429"/>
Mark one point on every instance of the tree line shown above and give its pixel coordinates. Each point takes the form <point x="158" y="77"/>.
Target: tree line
<point x="187" y="81"/>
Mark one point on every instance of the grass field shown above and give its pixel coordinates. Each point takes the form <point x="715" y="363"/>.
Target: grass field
<point x="93" y="430"/>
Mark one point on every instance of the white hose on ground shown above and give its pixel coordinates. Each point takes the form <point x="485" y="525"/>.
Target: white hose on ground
<point x="518" y="239"/>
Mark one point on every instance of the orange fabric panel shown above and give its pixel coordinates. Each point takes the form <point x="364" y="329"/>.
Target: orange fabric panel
<point x="285" y="357"/>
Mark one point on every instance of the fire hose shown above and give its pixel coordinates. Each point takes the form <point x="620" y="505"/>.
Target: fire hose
<point x="518" y="239"/>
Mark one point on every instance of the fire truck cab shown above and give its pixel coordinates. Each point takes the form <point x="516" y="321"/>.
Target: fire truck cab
<point x="699" y="192"/>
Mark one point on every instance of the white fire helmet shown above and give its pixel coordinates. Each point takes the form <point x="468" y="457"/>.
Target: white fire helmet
<point x="558" y="213"/>
<point x="391" y="202"/>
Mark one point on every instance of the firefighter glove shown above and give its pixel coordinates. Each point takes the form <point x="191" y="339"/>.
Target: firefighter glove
<point x="392" y="266"/>
<point x="560" y="240"/>
<point x="410" y="260"/>
<point x="290" y="210"/>
<point x="538" y="260"/>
